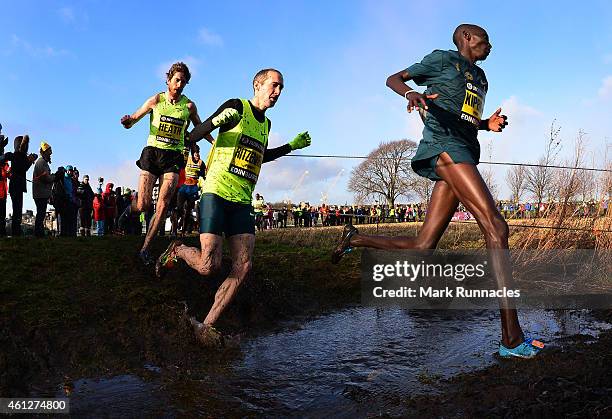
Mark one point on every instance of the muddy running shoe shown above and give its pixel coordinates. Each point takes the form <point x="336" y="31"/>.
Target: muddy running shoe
<point x="344" y="246"/>
<point x="167" y="259"/>
<point x="145" y="258"/>
<point x="208" y="336"/>
<point x="527" y="349"/>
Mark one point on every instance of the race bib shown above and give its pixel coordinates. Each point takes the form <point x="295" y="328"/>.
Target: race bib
<point x="247" y="159"/>
<point x="473" y="104"/>
<point x="170" y="129"/>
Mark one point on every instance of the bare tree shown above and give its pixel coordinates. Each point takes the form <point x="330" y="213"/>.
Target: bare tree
<point x="516" y="178"/>
<point x="488" y="175"/>
<point x="567" y="181"/>
<point x="540" y="178"/>
<point x="385" y="173"/>
<point x="588" y="187"/>
<point x="423" y="188"/>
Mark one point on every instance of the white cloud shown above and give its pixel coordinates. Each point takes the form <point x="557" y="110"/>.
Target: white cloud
<point x="18" y="43"/>
<point x="73" y="17"/>
<point x="125" y="173"/>
<point x="208" y="37"/>
<point x="67" y="14"/>
<point x="301" y="179"/>
<point x="519" y="112"/>
<point x="192" y="62"/>
<point x="605" y="91"/>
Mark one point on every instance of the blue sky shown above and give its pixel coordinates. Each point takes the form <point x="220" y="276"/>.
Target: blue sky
<point x="70" y="70"/>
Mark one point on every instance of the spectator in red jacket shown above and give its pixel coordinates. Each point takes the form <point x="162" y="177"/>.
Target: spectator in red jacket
<point x="5" y="171"/>
<point x="99" y="212"/>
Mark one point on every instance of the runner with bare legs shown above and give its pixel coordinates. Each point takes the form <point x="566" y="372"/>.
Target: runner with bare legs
<point x="170" y="114"/>
<point x="448" y="154"/>
<point x="225" y="205"/>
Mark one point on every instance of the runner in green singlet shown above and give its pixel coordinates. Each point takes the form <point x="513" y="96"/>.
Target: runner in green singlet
<point x="448" y="154"/>
<point x="225" y="206"/>
<point x="170" y="114"/>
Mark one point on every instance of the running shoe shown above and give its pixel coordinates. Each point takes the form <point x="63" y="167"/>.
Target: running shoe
<point x="167" y="259"/>
<point x="208" y="336"/>
<point x="528" y="349"/>
<point x="145" y="257"/>
<point x="344" y="246"/>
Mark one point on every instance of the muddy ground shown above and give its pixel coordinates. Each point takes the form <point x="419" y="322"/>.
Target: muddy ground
<point x="82" y="307"/>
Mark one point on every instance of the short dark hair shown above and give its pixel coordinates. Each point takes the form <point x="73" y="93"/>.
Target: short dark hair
<point x="467" y="27"/>
<point x="179" y="67"/>
<point x="21" y="143"/>
<point x="262" y="75"/>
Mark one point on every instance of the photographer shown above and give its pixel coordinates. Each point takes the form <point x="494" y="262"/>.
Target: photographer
<point x="86" y="195"/>
<point x="68" y="205"/>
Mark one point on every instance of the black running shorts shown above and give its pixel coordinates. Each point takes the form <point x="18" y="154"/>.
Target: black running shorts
<point x="158" y="161"/>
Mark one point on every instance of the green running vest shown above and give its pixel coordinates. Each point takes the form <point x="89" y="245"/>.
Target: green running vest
<point x="235" y="160"/>
<point x="168" y="124"/>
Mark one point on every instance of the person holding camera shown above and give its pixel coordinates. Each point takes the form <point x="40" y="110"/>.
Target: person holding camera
<point x="86" y="195"/>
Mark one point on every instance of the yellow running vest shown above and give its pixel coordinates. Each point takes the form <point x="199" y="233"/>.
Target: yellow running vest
<point x="192" y="171"/>
<point x="235" y="160"/>
<point x="168" y="124"/>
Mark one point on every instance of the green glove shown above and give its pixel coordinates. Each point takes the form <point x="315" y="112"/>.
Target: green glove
<point x="226" y="116"/>
<point x="300" y="141"/>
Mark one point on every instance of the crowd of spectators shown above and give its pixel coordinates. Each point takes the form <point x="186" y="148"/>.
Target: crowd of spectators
<point x="77" y="208"/>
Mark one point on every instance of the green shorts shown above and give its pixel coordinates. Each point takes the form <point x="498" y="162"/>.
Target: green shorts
<point x="426" y="158"/>
<point x="218" y="216"/>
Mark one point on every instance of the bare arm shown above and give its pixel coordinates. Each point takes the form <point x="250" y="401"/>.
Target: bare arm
<point x="128" y="121"/>
<point x="397" y="83"/>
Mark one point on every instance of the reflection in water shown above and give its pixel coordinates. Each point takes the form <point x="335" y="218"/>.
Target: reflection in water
<point x="353" y="362"/>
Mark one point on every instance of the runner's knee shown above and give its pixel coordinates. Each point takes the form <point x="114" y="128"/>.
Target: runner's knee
<point x="496" y="230"/>
<point x="209" y="268"/>
<point x="241" y="269"/>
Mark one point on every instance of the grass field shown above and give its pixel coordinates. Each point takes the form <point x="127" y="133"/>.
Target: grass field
<point x="84" y="307"/>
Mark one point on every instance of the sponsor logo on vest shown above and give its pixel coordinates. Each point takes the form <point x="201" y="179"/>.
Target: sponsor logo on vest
<point x="473" y="104"/>
<point x="170" y="129"/>
<point x="247" y="159"/>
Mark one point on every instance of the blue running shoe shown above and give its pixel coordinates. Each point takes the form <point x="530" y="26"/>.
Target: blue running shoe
<point x="344" y="246"/>
<point x="528" y="349"/>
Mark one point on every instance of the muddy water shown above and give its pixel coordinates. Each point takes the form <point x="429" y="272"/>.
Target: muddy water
<point x="356" y="361"/>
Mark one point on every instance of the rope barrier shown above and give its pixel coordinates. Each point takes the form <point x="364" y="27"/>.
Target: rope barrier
<point x="330" y="156"/>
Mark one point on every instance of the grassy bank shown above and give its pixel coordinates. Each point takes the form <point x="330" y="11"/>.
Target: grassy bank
<point x="84" y="307"/>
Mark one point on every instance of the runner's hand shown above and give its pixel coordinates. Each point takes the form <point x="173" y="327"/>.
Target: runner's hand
<point x="127" y="121"/>
<point x="417" y="100"/>
<point x="226" y="116"/>
<point x="300" y="141"/>
<point x="497" y="122"/>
